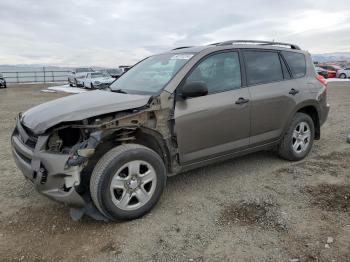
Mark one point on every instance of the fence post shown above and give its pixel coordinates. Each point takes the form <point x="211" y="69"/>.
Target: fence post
<point x="17" y="77"/>
<point x="35" y="79"/>
<point x="53" y="76"/>
<point x="44" y="75"/>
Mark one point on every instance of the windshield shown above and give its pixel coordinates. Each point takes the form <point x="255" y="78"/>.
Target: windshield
<point x="97" y="75"/>
<point x="152" y="74"/>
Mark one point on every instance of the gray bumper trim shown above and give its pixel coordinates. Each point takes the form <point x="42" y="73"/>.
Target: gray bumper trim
<point x="48" y="171"/>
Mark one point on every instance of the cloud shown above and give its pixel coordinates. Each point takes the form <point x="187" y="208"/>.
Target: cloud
<point x="111" y="32"/>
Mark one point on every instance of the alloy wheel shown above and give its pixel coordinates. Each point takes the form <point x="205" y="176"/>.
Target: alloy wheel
<point x="133" y="185"/>
<point x="301" y="137"/>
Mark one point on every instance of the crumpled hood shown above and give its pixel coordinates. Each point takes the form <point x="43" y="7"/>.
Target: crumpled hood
<point x="78" y="107"/>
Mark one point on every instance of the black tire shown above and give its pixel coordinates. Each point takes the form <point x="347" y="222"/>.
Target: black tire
<point x="342" y="76"/>
<point x="70" y="84"/>
<point x="106" y="169"/>
<point x="285" y="149"/>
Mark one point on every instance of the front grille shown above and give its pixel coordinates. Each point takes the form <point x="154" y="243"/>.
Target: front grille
<point x="31" y="143"/>
<point x="27" y="138"/>
<point x="32" y="139"/>
<point x="25" y="135"/>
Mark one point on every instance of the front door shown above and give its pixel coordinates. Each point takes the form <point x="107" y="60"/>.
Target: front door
<point x="219" y="122"/>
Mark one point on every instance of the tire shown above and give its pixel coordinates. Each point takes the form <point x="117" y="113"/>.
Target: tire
<point x="111" y="175"/>
<point x="70" y="84"/>
<point x="296" y="145"/>
<point x="91" y="86"/>
<point x="342" y="76"/>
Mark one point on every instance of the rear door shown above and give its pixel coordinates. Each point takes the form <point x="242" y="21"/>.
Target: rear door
<point x="219" y="122"/>
<point x="273" y="94"/>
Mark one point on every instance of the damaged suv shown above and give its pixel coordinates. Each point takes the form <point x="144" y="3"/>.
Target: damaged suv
<point x="107" y="154"/>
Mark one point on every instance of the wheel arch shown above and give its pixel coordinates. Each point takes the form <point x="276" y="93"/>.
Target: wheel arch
<point x="313" y="113"/>
<point x="143" y="136"/>
<point x="310" y="108"/>
<point x="155" y="141"/>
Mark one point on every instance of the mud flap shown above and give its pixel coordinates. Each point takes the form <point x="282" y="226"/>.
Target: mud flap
<point x="89" y="210"/>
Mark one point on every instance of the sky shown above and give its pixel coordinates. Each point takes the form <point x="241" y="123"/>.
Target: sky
<point x="122" y="32"/>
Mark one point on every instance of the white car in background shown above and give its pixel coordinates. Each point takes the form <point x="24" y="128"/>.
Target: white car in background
<point x="97" y="80"/>
<point x="76" y="75"/>
<point x="344" y="73"/>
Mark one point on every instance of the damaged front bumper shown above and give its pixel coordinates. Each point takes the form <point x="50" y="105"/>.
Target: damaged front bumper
<point x="48" y="171"/>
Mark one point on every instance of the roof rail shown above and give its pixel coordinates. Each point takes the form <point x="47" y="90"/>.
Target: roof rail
<point x="231" y="42"/>
<point x="181" y="47"/>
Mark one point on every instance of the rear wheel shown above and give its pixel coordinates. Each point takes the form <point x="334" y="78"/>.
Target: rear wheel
<point x="127" y="182"/>
<point x="298" y="140"/>
<point x="342" y="76"/>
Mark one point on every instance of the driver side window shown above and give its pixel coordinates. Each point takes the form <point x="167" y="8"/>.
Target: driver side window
<point x="221" y="72"/>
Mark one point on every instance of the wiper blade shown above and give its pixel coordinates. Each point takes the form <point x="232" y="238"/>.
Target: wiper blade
<point x="118" y="91"/>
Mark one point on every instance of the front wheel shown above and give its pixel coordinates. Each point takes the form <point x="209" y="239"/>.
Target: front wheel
<point x="127" y="182"/>
<point x="298" y="140"/>
<point x="342" y="76"/>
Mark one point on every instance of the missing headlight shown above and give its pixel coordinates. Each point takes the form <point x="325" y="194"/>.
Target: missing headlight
<point x="64" y="139"/>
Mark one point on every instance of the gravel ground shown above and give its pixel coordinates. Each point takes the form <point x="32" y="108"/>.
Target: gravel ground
<point x="254" y="208"/>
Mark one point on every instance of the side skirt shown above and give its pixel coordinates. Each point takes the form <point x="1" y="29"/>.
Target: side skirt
<point x="194" y="165"/>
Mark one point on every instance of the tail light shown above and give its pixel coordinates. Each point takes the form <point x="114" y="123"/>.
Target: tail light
<point x="322" y="80"/>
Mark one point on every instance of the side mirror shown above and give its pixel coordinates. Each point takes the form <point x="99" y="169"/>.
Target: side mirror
<point x="194" y="89"/>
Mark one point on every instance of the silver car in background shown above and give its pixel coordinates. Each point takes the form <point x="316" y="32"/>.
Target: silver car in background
<point x="113" y="72"/>
<point x="343" y="73"/>
<point x="74" y="78"/>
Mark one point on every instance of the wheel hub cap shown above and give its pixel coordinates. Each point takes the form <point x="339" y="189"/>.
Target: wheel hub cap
<point x="133" y="183"/>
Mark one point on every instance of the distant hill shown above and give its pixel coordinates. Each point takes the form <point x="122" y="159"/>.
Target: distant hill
<point x="331" y="57"/>
<point x="30" y="67"/>
<point x="37" y="67"/>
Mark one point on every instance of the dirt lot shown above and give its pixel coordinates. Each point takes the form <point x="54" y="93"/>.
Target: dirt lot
<point x="255" y="208"/>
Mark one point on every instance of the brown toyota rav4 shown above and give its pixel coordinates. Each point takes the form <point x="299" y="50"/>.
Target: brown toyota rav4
<point x="108" y="153"/>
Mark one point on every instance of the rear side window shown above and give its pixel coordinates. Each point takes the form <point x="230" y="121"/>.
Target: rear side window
<point x="296" y="62"/>
<point x="262" y="67"/>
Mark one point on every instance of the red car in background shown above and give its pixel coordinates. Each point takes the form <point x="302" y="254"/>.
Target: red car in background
<point x="331" y="70"/>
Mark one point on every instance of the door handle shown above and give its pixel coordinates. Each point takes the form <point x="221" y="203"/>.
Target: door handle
<point x="293" y="92"/>
<point x="241" y="100"/>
